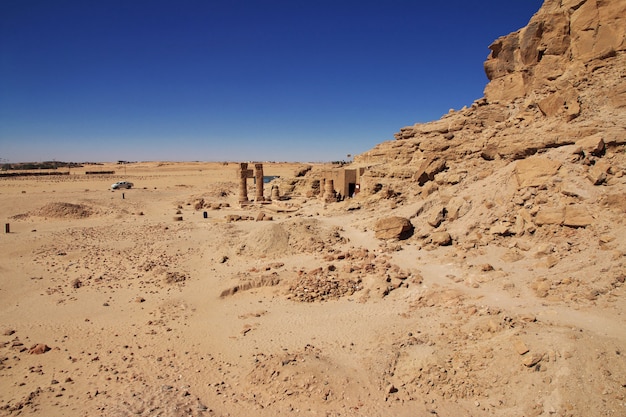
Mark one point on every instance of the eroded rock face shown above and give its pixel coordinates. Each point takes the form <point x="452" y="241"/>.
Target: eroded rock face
<point x="542" y="152"/>
<point x="553" y="83"/>
<point x="561" y="39"/>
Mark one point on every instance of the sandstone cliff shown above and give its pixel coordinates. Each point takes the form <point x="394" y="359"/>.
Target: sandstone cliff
<point x="558" y="80"/>
<point x="544" y="146"/>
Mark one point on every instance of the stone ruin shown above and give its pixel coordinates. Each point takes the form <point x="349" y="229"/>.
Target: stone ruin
<point x="327" y="191"/>
<point x="338" y="184"/>
<point x="257" y="174"/>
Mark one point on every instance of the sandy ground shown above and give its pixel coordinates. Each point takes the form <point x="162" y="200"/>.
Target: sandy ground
<point x="111" y="305"/>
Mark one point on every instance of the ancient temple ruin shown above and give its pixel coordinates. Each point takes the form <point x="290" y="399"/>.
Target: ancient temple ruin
<point x="340" y="183"/>
<point x="257" y="174"/>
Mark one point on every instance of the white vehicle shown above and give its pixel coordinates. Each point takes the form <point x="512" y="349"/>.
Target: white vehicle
<point x="122" y="184"/>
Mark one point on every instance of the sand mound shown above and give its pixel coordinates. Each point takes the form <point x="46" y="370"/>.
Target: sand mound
<point x="270" y="240"/>
<point x="300" y="236"/>
<point x="64" y="210"/>
<point x="309" y="236"/>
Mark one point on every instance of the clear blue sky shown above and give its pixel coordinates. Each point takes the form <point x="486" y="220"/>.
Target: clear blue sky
<point x="238" y="80"/>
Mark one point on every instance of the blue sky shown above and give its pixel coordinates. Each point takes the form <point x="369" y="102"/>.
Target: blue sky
<point x="193" y="80"/>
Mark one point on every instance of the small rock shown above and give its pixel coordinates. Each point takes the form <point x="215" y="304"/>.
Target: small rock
<point x="598" y="173"/>
<point x="39" y="349"/>
<point x="532" y="360"/>
<point x="500" y="229"/>
<point x="437" y="217"/>
<point x="520" y="347"/>
<point x="441" y="239"/>
<point x="593" y="145"/>
<point x="391" y="389"/>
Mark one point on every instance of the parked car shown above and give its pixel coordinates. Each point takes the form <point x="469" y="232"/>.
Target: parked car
<point x="122" y="184"/>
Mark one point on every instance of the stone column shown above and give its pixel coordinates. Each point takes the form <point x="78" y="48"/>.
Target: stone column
<point x="330" y="196"/>
<point x="244" y="174"/>
<point x="258" y="174"/>
<point x="322" y="190"/>
<point x="275" y="193"/>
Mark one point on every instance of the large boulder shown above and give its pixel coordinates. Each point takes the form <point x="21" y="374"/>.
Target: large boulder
<point x="535" y="171"/>
<point x="395" y="227"/>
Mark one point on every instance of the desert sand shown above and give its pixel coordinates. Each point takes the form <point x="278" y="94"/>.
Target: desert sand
<point x="112" y="305"/>
<point x="479" y="271"/>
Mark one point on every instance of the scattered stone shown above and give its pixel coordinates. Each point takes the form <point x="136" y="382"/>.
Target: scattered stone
<point x="198" y="204"/>
<point x="500" y="229"/>
<point x="429" y="169"/>
<point x="598" y="173"/>
<point x="535" y="171"/>
<point x="532" y="360"/>
<point x="429" y="188"/>
<point x="441" y="239"/>
<point x="577" y="217"/>
<point x="541" y="286"/>
<point x="436" y="217"/>
<point x="528" y="318"/>
<point x="39" y="349"/>
<point x="592" y="145"/>
<point x="456" y="208"/>
<point x="520" y="347"/>
<point x="174" y="277"/>
<point x="550" y="215"/>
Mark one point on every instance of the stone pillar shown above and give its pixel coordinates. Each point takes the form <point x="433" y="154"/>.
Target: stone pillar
<point x="322" y="190"/>
<point x="330" y="196"/>
<point x="244" y="174"/>
<point x="275" y="192"/>
<point x="258" y="174"/>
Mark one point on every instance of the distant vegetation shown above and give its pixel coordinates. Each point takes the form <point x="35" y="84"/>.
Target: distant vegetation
<point x="40" y="165"/>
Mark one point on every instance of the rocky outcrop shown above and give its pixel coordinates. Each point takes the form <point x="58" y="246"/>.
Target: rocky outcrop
<point x="542" y="152"/>
<point x="552" y="83"/>
<point x="555" y="51"/>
